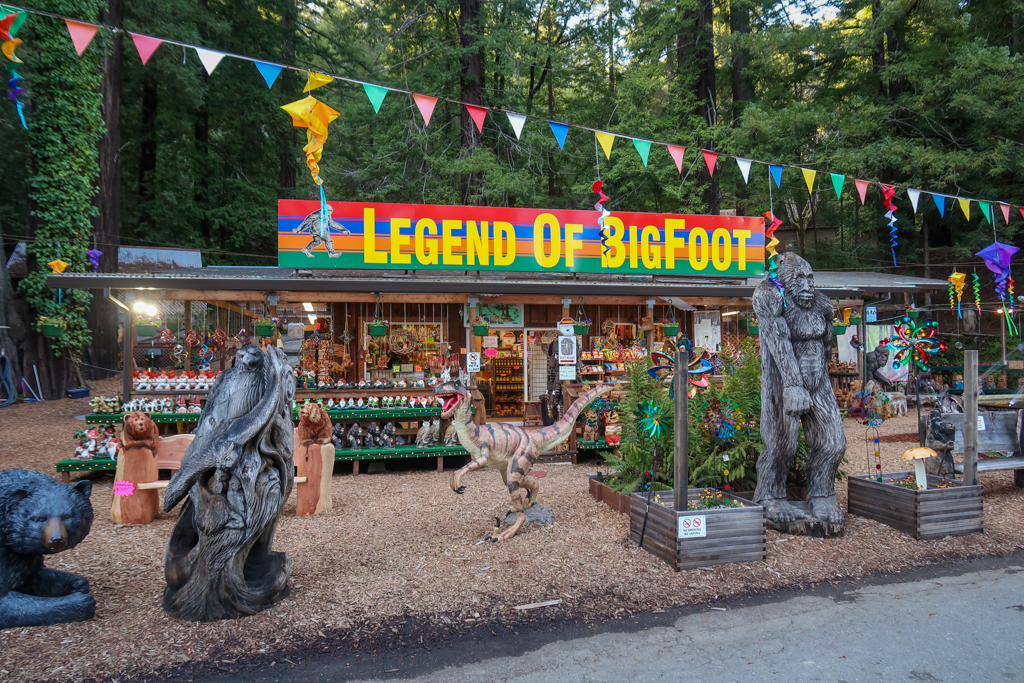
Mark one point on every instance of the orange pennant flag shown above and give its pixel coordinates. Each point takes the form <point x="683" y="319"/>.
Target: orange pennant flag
<point x="677" y="153"/>
<point x="81" y="34"/>
<point x="426" y="104"/>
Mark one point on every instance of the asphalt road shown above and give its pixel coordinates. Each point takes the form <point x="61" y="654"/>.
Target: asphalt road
<point x="955" y="623"/>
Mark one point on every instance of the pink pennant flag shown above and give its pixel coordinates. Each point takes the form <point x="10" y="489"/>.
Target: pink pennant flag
<point x="426" y="104"/>
<point x="81" y="34"/>
<point x="862" y="189"/>
<point x="677" y="153"/>
<point x="1006" y="212"/>
<point x="478" y="115"/>
<point x="145" y="45"/>
<point x="710" y="158"/>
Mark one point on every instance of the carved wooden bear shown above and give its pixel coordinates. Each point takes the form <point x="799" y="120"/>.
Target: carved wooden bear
<point x="41" y="516"/>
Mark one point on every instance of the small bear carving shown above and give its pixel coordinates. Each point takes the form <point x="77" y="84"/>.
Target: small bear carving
<point x="314" y="424"/>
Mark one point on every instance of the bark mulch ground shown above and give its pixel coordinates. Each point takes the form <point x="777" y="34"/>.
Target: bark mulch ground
<point x="396" y="562"/>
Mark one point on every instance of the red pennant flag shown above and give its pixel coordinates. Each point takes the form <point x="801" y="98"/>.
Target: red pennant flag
<point x="478" y="114"/>
<point x="81" y="34"/>
<point x="677" y="153"/>
<point x="710" y="158"/>
<point x="426" y="104"/>
<point x="1006" y="212"/>
<point x="145" y="45"/>
<point x="1021" y="211"/>
<point x="862" y="189"/>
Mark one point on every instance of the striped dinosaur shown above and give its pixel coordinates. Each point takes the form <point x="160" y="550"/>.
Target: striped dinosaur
<point x="509" y="448"/>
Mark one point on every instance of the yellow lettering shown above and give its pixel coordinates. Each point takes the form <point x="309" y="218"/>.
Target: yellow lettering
<point x="546" y="220"/>
<point x="632" y="247"/>
<point x="370" y="253"/>
<point x="477" y="242"/>
<point x="571" y="243"/>
<point x="650" y="253"/>
<point x="616" y="255"/>
<point x="398" y="240"/>
<point x="741" y="237"/>
<point x="721" y="249"/>
<point x="672" y="242"/>
<point x="426" y="250"/>
<point x="449" y="241"/>
<point x="698" y="248"/>
<point x="504" y="233"/>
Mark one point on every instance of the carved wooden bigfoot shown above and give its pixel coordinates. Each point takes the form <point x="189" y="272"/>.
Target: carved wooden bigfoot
<point x="235" y="478"/>
<point x="796" y="339"/>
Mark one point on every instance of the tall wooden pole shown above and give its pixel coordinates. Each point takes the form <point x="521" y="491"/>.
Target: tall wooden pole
<point x="681" y="461"/>
<point x="128" y="356"/>
<point x="971" y="417"/>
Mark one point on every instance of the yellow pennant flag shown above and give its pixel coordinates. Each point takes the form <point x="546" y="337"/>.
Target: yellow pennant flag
<point x="809" y="179"/>
<point x="314" y="81"/>
<point x="965" y="206"/>
<point x="606" y="140"/>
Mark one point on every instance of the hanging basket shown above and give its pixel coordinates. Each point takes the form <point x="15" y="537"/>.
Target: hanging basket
<point x="839" y="329"/>
<point x="913" y="312"/>
<point x="670" y="329"/>
<point x="481" y="330"/>
<point x="264" y="330"/>
<point x="173" y="326"/>
<point x="581" y="329"/>
<point x="377" y="331"/>
<point x="752" y="329"/>
<point x="855" y="320"/>
<point x="146" y="330"/>
<point x="52" y="331"/>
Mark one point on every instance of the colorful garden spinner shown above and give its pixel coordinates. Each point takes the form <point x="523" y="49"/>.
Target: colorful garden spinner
<point x="599" y="206"/>
<point x="11" y="21"/>
<point x="956" y="291"/>
<point x="997" y="257"/>
<point x="888" y="192"/>
<point x="773" y="241"/>
<point x="915" y="342"/>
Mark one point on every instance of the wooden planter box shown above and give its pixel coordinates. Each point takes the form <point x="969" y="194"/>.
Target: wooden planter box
<point x="731" y="534"/>
<point x="930" y="514"/>
<point x="602" y="492"/>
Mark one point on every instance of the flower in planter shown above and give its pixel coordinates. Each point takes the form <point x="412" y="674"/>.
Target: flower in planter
<point x="61" y="323"/>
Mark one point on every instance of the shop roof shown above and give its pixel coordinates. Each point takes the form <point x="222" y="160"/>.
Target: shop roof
<point x="129" y="260"/>
<point x="272" y="279"/>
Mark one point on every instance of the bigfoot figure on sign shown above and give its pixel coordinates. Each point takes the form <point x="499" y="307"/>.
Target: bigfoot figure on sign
<point x="312" y="225"/>
<point x="796" y="338"/>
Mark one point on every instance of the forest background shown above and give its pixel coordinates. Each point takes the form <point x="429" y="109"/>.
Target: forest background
<point x="922" y="93"/>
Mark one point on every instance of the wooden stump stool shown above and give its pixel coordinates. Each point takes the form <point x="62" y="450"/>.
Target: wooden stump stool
<point x="314" y="461"/>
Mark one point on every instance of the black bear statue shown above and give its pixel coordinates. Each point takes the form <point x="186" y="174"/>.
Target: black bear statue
<point x="40" y="516"/>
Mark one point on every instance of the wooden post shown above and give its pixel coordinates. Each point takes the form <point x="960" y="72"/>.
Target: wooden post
<point x="471" y="338"/>
<point x="681" y="464"/>
<point x="188" y="328"/>
<point x="128" y="362"/>
<point x="971" y="417"/>
<point x="650" y="332"/>
<point x="222" y="323"/>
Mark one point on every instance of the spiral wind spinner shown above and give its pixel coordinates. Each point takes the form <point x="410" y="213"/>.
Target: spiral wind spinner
<point x="915" y="342"/>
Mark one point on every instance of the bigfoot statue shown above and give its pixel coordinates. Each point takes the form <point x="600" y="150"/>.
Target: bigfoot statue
<point x="796" y="339"/>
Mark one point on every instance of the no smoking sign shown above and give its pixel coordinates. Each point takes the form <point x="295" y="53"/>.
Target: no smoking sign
<point x="692" y="526"/>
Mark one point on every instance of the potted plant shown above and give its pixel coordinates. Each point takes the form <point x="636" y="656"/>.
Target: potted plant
<point x="752" y="327"/>
<point x="912" y="312"/>
<point x="855" y="319"/>
<point x="838" y="328"/>
<point x="581" y="327"/>
<point x="172" y="325"/>
<point x="377" y="328"/>
<point x="265" y="327"/>
<point x="670" y="327"/>
<point x="481" y="327"/>
<point x="52" y="327"/>
<point x="147" y="326"/>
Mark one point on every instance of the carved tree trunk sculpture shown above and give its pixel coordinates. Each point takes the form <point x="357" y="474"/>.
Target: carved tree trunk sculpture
<point x="235" y="479"/>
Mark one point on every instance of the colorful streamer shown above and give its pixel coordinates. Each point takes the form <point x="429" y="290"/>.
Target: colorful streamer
<point x="10" y="22"/>
<point x="94" y="258"/>
<point x="315" y="116"/>
<point x="956" y="287"/>
<point x="977" y="292"/>
<point x="997" y="257"/>
<point x="888" y="192"/>
<point x="773" y="241"/>
<point x="599" y="206"/>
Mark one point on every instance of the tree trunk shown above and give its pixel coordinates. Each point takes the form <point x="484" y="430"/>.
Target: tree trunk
<point x="472" y="87"/>
<point x="12" y="325"/>
<point x="147" y="155"/>
<point x="742" y="90"/>
<point x="706" y="89"/>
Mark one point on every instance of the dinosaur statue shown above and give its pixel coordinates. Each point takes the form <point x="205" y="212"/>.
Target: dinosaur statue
<point x="510" y="448"/>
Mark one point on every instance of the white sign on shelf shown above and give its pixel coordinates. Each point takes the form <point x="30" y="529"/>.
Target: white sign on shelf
<point x="567" y="372"/>
<point x="567" y="351"/>
<point x="490" y="341"/>
<point x="473" y="361"/>
<point x="692" y="526"/>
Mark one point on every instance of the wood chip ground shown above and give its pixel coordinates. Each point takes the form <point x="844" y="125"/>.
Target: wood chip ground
<point x="398" y="557"/>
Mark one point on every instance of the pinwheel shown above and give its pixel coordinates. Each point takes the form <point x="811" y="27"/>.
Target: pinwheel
<point x="914" y="342"/>
<point x="722" y="418"/>
<point x="698" y="368"/>
<point x="652" y="422"/>
<point x="10" y="22"/>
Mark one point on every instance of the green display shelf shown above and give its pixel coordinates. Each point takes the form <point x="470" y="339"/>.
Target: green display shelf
<point x="159" y="418"/>
<point x="380" y="413"/>
<point x="398" y="452"/>
<point x="75" y="465"/>
<point x="600" y="443"/>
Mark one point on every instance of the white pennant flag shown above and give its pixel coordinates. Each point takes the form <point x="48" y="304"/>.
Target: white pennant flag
<point x="209" y="58"/>
<point x="517" y="121"/>
<point x="914" y="196"/>
<point x="744" y="165"/>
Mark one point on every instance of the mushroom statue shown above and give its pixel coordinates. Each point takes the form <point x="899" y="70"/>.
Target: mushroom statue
<point x="919" y="455"/>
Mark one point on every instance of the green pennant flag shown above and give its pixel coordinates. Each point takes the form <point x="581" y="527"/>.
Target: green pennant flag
<point x="837" y="182"/>
<point x="643" y="148"/>
<point x="986" y="209"/>
<point x="376" y="95"/>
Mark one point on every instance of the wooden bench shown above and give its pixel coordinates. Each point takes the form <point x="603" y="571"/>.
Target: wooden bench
<point x="997" y="432"/>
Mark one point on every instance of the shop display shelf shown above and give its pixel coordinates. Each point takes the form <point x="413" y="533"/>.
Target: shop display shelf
<point x="379" y="413"/>
<point x="159" y="418"/>
<point x="398" y="452"/>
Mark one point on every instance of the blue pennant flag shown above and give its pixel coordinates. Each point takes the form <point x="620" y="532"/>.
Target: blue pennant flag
<point x="269" y="72"/>
<point x="560" y="130"/>
<point x="940" y="204"/>
<point x="776" y="172"/>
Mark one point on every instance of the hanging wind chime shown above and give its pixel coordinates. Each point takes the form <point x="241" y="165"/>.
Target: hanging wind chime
<point x="888" y="192"/>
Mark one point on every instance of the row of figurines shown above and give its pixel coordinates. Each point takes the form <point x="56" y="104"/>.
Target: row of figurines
<point x="173" y="381"/>
<point x="374" y="435"/>
<point x="379" y="402"/>
<point x="308" y="380"/>
<point x="97" y="444"/>
<point x="180" y="405"/>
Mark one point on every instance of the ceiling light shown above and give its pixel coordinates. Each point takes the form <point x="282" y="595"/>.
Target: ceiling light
<point x="725" y="315"/>
<point x="307" y="307"/>
<point x="312" y="319"/>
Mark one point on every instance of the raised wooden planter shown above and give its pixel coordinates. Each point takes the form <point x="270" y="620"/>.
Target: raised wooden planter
<point x="731" y="534"/>
<point x="602" y="492"/>
<point x="933" y="513"/>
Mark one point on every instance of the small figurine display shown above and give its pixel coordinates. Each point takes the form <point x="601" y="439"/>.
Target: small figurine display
<point x="355" y="436"/>
<point x="338" y="436"/>
<point x="435" y="433"/>
<point x="372" y="434"/>
<point x="87" y="447"/>
<point x="423" y="435"/>
<point x="451" y="436"/>
<point x="387" y="436"/>
<point x="101" y="405"/>
<point x="109" y="444"/>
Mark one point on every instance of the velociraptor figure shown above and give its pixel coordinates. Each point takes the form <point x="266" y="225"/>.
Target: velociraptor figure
<point x="510" y="448"/>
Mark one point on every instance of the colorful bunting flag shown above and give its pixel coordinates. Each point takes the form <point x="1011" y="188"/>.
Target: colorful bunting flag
<point x="862" y="190"/>
<point x="517" y="121"/>
<point x="314" y="116"/>
<point x="81" y="34"/>
<point x="270" y="72"/>
<point x="965" y="206"/>
<point x="209" y="58"/>
<point x="606" y="140"/>
<point x="915" y="197"/>
<point x="710" y="158"/>
<point x="940" y="203"/>
<point x="809" y="179"/>
<point x="146" y="46"/>
<point x="677" y="153"/>
<point x="374" y="93"/>
<point x="478" y="114"/>
<point x="560" y="130"/>
<point x="426" y="104"/>
<point x="776" y="172"/>
<point x="986" y="210"/>
<point x="744" y="165"/>
<point x="837" y="183"/>
<point x="643" y="148"/>
<point x="1006" y="211"/>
